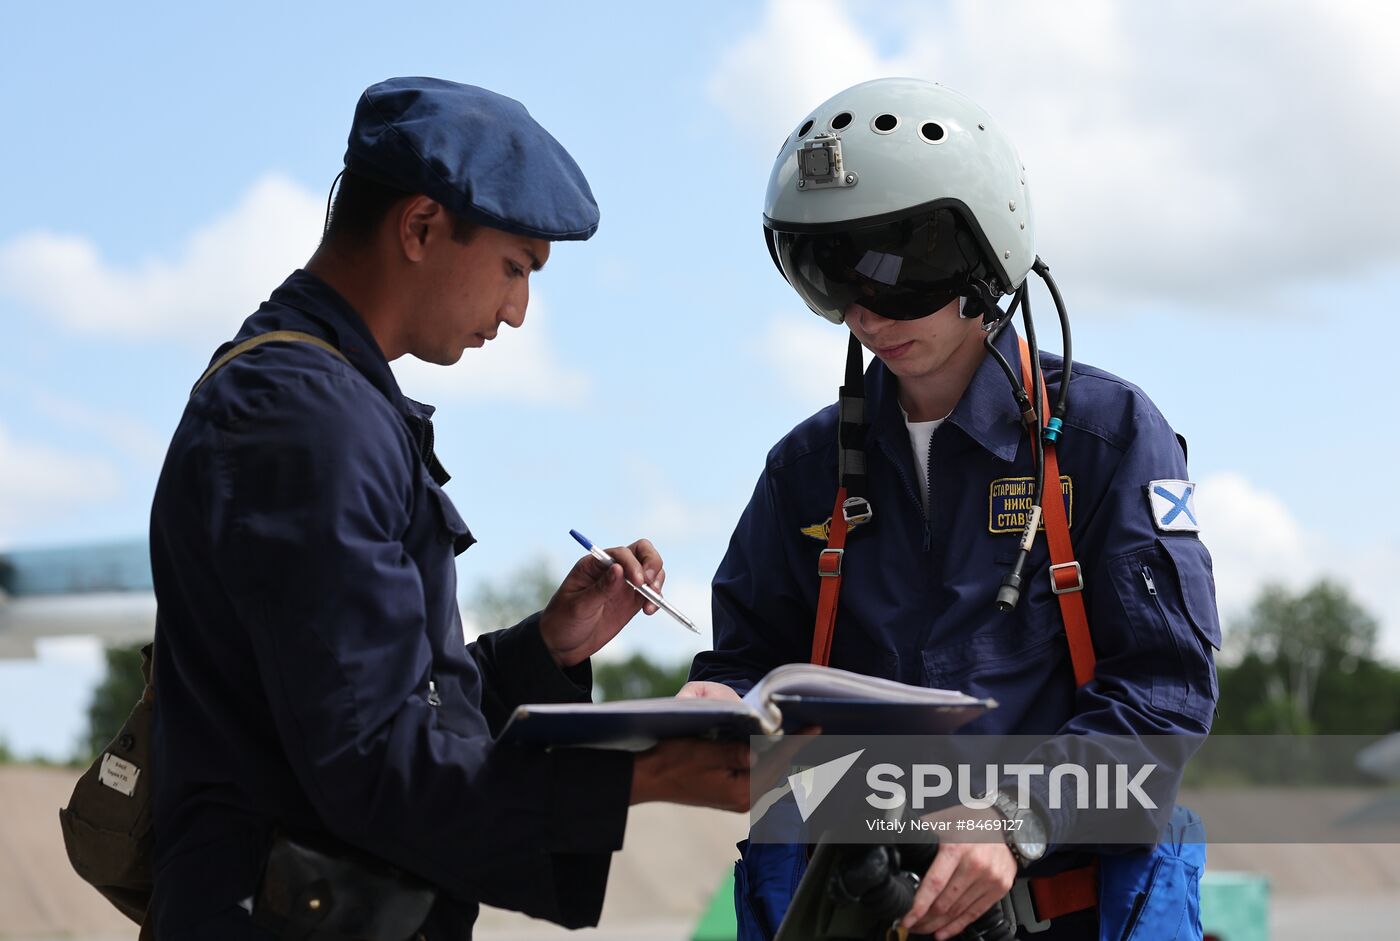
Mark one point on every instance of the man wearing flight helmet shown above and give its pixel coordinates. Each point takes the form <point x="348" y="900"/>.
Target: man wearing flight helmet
<point x="900" y="209"/>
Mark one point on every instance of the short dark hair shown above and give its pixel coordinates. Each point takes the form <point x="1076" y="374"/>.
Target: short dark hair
<point x="360" y="205"/>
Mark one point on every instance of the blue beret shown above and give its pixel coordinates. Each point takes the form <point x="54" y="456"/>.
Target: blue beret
<point x="477" y="153"/>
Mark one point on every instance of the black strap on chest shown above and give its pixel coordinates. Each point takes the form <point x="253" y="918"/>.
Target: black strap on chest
<point x="851" y="507"/>
<point x="850" y="432"/>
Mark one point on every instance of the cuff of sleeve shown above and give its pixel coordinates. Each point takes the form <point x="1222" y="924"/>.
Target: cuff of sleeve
<point x="591" y="793"/>
<point x="1057" y="823"/>
<point x="525" y="662"/>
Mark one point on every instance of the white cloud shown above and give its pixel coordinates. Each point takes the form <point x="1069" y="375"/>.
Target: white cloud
<point x="802" y="53"/>
<point x="520" y="365"/>
<point x="125" y="435"/>
<point x="809" y="357"/>
<point x="1193" y="151"/>
<point x="1255" y="541"/>
<point x="39" y="483"/>
<point x="218" y="277"/>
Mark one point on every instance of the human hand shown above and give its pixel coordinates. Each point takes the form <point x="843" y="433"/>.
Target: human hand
<point x="594" y="601"/>
<point x="688" y="771"/>
<point x="964" y="881"/>
<point x="722" y="775"/>
<point x="706" y="689"/>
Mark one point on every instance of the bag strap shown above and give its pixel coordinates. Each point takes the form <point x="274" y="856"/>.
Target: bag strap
<point x="148" y="656"/>
<point x="275" y="336"/>
<point x="1066" y="574"/>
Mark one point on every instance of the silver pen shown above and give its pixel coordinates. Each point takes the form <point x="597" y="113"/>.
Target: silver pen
<point x="646" y="591"/>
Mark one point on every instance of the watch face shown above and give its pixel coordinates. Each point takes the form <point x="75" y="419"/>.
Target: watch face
<point x="1031" y="850"/>
<point x="1029" y="836"/>
<point x="1030" y="840"/>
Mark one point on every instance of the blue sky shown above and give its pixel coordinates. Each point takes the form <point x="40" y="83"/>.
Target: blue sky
<point x="1213" y="188"/>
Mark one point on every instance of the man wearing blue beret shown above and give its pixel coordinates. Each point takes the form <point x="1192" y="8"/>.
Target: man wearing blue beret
<point x="325" y="755"/>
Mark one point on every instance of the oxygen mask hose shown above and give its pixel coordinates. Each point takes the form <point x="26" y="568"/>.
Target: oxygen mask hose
<point x="1054" y="427"/>
<point x="1009" y="592"/>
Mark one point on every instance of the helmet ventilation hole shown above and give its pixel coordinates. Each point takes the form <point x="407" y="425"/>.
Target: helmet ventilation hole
<point x="884" y="123"/>
<point x="841" y="120"/>
<point x="806" y="126"/>
<point x="932" y="132"/>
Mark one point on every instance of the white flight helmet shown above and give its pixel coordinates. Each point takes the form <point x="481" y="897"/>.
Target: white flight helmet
<point x="899" y="194"/>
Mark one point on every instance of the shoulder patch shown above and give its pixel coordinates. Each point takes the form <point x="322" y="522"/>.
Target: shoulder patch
<point x="1173" y="504"/>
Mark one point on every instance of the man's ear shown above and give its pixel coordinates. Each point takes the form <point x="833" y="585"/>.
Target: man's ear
<point x="418" y="217"/>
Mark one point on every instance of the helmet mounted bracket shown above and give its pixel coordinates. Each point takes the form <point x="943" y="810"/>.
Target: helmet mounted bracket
<point x="820" y="165"/>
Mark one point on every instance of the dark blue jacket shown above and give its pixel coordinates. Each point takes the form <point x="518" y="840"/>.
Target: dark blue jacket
<point x="311" y="668"/>
<point x="917" y="600"/>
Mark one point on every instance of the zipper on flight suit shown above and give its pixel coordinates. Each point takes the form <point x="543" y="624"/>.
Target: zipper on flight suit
<point x="910" y="489"/>
<point x="928" y="497"/>
<point x="913" y="493"/>
<point x="1147" y="578"/>
<point x="1152" y="592"/>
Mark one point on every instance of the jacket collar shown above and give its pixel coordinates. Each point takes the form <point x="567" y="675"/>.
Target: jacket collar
<point x="986" y="412"/>
<point x="313" y="297"/>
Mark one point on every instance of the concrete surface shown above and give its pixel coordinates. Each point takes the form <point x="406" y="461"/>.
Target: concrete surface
<point x="661" y="881"/>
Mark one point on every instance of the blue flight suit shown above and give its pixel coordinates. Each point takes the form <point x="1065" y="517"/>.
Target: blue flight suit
<point x="311" y="668"/>
<point x="916" y="602"/>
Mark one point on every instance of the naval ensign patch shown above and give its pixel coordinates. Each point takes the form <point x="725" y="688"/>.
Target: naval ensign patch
<point x="1173" y="505"/>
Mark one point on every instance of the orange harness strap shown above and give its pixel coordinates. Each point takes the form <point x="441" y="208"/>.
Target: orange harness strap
<point x="1066" y="892"/>
<point x="1066" y="576"/>
<point x="829" y="568"/>
<point x="1075" y="889"/>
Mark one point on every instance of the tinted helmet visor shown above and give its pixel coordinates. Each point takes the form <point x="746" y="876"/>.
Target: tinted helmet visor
<point x="902" y="269"/>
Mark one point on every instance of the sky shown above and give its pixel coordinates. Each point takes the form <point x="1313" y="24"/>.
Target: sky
<point x="1212" y="184"/>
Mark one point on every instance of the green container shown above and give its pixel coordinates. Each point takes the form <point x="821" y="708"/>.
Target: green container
<point x="719" y="923"/>
<point x="1235" y="906"/>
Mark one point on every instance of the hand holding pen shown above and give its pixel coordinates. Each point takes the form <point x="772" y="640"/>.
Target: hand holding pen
<point x="598" y="597"/>
<point x="652" y="595"/>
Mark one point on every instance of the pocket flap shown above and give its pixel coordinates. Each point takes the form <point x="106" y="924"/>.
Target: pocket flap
<point x="457" y="532"/>
<point x="1194" y="572"/>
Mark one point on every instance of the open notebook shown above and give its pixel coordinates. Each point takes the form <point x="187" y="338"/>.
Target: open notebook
<point x="791" y="697"/>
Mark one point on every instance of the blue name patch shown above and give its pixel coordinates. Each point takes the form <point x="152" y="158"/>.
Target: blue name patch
<point x="1010" y="499"/>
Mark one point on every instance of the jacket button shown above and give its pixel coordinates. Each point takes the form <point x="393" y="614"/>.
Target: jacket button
<point x="125" y="742"/>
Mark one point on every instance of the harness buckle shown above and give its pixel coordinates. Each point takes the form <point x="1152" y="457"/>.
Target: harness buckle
<point x="856" y="510"/>
<point x="829" y="563"/>
<point x="1064" y="588"/>
<point x="1024" y="907"/>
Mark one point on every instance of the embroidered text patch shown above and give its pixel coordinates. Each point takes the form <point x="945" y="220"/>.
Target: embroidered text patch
<point x="1010" y="499"/>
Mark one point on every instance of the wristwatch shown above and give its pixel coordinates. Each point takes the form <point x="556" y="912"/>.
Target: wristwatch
<point x="1026" y="838"/>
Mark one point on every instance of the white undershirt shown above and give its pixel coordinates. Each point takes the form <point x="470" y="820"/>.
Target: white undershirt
<point x="920" y="435"/>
